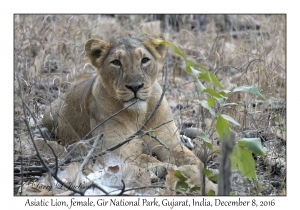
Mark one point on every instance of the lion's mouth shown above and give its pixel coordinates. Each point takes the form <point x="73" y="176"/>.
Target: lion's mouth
<point x="134" y="99"/>
<point x="135" y="104"/>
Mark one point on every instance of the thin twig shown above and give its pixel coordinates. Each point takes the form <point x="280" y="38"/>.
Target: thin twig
<point x="99" y="188"/>
<point x="43" y="136"/>
<point x="86" y="159"/>
<point x="204" y="150"/>
<point x="141" y="188"/>
<point x="51" y="183"/>
<point x="72" y="150"/>
<point x="224" y="181"/>
<point x="123" y="188"/>
<point x="29" y="173"/>
<point x="37" y="150"/>
<point x="165" y="87"/>
<point x="158" y="140"/>
<point x="109" y="119"/>
<point x="162" y="124"/>
<point x="139" y="132"/>
<point x="22" y="168"/>
<point x="141" y="135"/>
<point x="20" y="94"/>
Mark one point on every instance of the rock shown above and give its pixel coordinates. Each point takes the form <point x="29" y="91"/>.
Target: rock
<point x="187" y="142"/>
<point x="191" y="132"/>
<point x="275" y="183"/>
<point x="38" y="134"/>
<point x="213" y="165"/>
<point x="159" y="171"/>
<point x="179" y="106"/>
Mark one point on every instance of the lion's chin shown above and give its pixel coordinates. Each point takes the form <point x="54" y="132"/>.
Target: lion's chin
<point x="140" y="104"/>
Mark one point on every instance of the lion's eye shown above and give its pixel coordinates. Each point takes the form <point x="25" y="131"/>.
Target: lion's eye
<point x="116" y="63"/>
<point x="145" y="60"/>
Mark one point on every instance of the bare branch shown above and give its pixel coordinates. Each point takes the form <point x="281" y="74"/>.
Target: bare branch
<point x="159" y="141"/>
<point x="37" y="150"/>
<point x="165" y="87"/>
<point x="108" y="119"/>
<point x="42" y="134"/>
<point x="99" y="188"/>
<point x="72" y="150"/>
<point x="224" y="181"/>
<point x="137" y="133"/>
<point x="141" y="188"/>
<point x="140" y="131"/>
<point x="86" y="159"/>
<point x="123" y="188"/>
<point x="162" y="124"/>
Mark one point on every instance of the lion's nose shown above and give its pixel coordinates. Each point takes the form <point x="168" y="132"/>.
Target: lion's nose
<point x="135" y="87"/>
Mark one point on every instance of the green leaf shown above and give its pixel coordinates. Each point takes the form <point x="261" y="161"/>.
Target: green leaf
<point x="215" y="81"/>
<point x="179" y="175"/>
<point x="175" y="48"/>
<point x="222" y="127"/>
<point x="182" y="186"/>
<point x="213" y="177"/>
<point x="204" y="137"/>
<point x="254" y="144"/>
<point x="211" y="193"/>
<point x="209" y="145"/>
<point x="194" y="189"/>
<point x="195" y="72"/>
<point x="230" y="119"/>
<point x="191" y="63"/>
<point x="221" y="101"/>
<point x="242" y="88"/>
<point x="205" y="105"/>
<point x="151" y="133"/>
<point x="243" y="159"/>
<point x="230" y="104"/>
<point x="211" y="92"/>
<point x="252" y="89"/>
<point x="188" y="69"/>
<point x="200" y="86"/>
<point x="226" y="91"/>
<point x="223" y="94"/>
<point x="209" y="174"/>
<point x="178" y="52"/>
<point x="211" y="102"/>
<point x="209" y="77"/>
<point x="255" y="91"/>
<point x="233" y="163"/>
<point x="204" y="76"/>
<point x="206" y="140"/>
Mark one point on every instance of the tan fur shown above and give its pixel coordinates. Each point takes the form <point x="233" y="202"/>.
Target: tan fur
<point x="93" y="98"/>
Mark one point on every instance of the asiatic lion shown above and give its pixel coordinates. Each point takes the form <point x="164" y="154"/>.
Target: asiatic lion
<point x="127" y="69"/>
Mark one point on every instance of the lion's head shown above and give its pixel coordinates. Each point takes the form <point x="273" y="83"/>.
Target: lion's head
<point x="128" y="66"/>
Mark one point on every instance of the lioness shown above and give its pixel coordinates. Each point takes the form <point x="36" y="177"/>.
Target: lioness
<point x="127" y="69"/>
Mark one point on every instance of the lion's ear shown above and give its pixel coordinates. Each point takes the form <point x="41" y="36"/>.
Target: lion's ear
<point x="157" y="50"/>
<point x="96" y="50"/>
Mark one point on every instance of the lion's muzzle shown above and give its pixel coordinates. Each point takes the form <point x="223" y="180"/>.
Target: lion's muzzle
<point x="135" y="87"/>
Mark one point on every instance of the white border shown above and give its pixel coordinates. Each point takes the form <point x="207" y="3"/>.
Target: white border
<point x="156" y="6"/>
